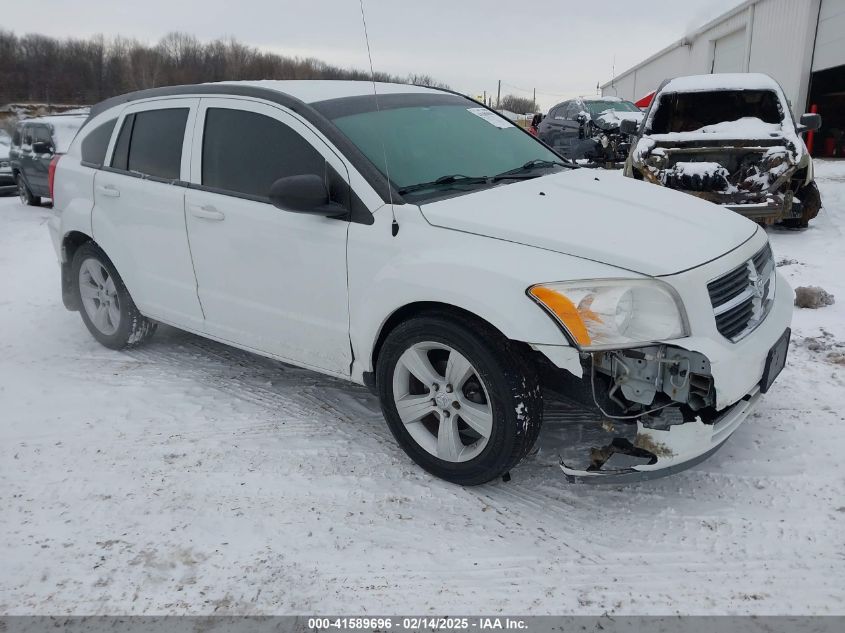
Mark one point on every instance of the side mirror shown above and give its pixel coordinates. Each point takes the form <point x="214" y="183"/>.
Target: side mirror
<point x="810" y="122"/>
<point x="42" y="148"/>
<point x="627" y="126"/>
<point x="306" y="193"/>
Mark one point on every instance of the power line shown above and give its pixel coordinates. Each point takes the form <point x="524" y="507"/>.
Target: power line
<point x="540" y="92"/>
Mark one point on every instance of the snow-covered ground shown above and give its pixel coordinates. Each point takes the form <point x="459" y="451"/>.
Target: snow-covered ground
<point x="187" y="477"/>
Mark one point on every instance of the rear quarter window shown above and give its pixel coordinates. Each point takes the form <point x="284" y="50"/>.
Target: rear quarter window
<point x="96" y="143"/>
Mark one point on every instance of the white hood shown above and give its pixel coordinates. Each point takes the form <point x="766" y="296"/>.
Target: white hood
<point x="601" y="217"/>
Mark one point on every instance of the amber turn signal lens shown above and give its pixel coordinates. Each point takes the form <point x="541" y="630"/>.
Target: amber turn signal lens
<point x="566" y="312"/>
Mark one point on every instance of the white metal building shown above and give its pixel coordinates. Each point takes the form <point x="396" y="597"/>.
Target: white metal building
<point x="801" y="43"/>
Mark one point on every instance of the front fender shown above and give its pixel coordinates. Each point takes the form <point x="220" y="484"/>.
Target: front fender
<point x="485" y="276"/>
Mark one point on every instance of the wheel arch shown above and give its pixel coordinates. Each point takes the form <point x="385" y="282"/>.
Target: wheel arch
<point x="71" y="242"/>
<point x="419" y="308"/>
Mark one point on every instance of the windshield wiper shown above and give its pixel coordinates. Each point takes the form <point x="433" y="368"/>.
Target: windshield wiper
<point x="527" y="168"/>
<point x="452" y="179"/>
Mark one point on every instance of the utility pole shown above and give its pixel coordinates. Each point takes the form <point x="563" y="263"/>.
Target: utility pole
<point x="499" y="95"/>
<point x="534" y="101"/>
<point x="485" y="98"/>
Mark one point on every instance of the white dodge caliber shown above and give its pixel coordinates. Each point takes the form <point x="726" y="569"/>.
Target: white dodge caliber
<point x="414" y="241"/>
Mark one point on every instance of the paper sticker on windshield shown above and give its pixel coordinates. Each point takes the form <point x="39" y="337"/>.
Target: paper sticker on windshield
<point x="491" y="117"/>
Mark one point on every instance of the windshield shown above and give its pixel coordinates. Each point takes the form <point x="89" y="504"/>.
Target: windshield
<point x="597" y="107"/>
<point x="691" y="111"/>
<point x="425" y="140"/>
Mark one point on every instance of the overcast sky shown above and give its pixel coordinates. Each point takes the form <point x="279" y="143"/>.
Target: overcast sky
<point x="562" y="48"/>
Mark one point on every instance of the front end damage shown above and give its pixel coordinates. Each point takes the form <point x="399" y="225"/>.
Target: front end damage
<point x="762" y="179"/>
<point x="607" y="144"/>
<point x="656" y="407"/>
<point x="638" y="413"/>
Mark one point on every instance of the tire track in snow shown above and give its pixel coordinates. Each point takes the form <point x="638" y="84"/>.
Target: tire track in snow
<point x="298" y="395"/>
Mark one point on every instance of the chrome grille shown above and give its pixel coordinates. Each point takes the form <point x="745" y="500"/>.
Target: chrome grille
<point x="742" y="298"/>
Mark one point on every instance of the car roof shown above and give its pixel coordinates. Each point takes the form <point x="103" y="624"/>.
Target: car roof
<point x="316" y="90"/>
<point x="721" y="81"/>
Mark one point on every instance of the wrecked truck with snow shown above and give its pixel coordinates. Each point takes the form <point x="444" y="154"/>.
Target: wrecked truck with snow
<point x="729" y="139"/>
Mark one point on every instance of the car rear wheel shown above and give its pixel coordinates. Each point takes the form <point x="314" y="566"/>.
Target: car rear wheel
<point x="106" y="307"/>
<point x="26" y="196"/>
<point x="458" y="398"/>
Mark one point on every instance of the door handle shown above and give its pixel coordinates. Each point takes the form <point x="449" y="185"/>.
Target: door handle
<point x="206" y="212"/>
<point x="110" y="191"/>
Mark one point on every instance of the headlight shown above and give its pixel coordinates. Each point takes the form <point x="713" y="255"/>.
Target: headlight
<point x="614" y="312"/>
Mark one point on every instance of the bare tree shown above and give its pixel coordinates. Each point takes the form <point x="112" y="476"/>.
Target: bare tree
<point x="36" y="68"/>
<point x="520" y="105"/>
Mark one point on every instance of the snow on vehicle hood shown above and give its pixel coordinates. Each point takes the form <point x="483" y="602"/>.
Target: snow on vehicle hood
<point x="745" y="129"/>
<point x="721" y="134"/>
<point x="605" y="218"/>
<point x="611" y="119"/>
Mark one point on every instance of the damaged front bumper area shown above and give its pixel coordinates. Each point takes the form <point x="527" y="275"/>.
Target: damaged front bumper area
<point x="657" y="452"/>
<point x="653" y="411"/>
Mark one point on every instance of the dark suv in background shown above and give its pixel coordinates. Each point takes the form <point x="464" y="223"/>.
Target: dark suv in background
<point x="7" y="181"/>
<point x="587" y="129"/>
<point x="34" y="145"/>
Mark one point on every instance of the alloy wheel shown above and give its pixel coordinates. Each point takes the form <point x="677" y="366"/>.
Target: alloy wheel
<point x="99" y="296"/>
<point x="442" y="402"/>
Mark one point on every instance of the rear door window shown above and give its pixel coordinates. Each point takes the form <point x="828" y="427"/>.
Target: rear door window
<point x="150" y="143"/>
<point x="245" y="153"/>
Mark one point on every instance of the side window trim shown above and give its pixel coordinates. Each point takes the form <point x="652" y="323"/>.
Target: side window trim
<point x="227" y="192"/>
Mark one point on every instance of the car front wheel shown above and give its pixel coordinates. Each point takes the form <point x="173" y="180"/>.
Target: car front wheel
<point x="811" y="200"/>
<point x="106" y="307"/>
<point x="26" y="196"/>
<point x="458" y="397"/>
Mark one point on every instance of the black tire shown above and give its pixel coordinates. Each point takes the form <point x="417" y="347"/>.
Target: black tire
<point x="133" y="328"/>
<point x="811" y="202"/>
<point x="510" y="380"/>
<point x="26" y="196"/>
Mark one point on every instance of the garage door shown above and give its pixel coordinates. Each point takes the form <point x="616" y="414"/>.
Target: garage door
<point x="729" y="53"/>
<point x="830" y="38"/>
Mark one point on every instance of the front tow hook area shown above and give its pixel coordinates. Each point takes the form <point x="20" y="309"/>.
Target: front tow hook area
<point x="654" y="453"/>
